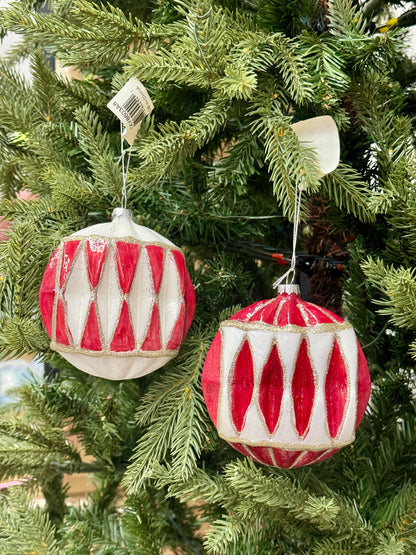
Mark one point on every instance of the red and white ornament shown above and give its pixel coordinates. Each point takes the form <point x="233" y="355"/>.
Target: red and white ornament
<point x="116" y="299"/>
<point x="286" y="382"/>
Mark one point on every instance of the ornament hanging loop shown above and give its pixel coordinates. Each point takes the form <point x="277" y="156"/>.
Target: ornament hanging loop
<point x="124" y="167"/>
<point x="292" y="269"/>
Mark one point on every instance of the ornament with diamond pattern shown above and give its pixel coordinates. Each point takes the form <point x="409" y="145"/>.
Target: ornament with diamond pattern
<point x="286" y="382"/>
<point x="116" y="299"/>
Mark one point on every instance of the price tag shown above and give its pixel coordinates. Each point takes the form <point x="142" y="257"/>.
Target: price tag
<point x="131" y="105"/>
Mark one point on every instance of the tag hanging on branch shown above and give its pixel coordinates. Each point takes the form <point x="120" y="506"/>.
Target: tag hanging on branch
<point x="285" y="381"/>
<point x="116" y="298"/>
<point x="321" y="135"/>
<point x="131" y="105"/>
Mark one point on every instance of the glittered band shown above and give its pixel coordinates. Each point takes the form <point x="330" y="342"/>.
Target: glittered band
<point x="288" y="446"/>
<point x="291" y="328"/>
<point x="135" y="353"/>
<point x="125" y="238"/>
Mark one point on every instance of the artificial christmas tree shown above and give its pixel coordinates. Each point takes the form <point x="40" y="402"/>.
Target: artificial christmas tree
<point x="215" y="168"/>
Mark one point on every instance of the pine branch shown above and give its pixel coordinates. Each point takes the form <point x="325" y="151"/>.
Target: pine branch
<point x="293" y="69"/>
<point x="21" y="336"/>
<point x="175" y="415"/>
<point x="165" y="151"/>
<point x="25" y="528"/>
<point x="230" y="174"/>
<point x="223" y="533"/>
<point x="345" y="20"/>
<point x="75" y="92"/>
<point x="32" y="443"/>
<point x="260" y="53"/>
<point x="20" y="256"/>
<point x="106" y="172"/>
<point x="100" y="414"/>
<point x="390" y="545"/>
<point x="405" y="515"/>
<point x="26" y="458"/>
<point x="398" y="286"/>
<point x="290" y="164"/>
<point x="44" y="87"/>
<point x="323" y="56"/>
<point x="199" y="486"/>
<point x="71" y="190"/>
<point x="79" y="40"/>
<point x="332" y="516"/>
<point x="349" y="192"/>
<point x="165" y="66"/>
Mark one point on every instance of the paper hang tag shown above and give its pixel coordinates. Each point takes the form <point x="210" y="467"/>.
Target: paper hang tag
<point x="321" y="135"/>
<point x="130" y="134"/>
<point x="131" y="105"/>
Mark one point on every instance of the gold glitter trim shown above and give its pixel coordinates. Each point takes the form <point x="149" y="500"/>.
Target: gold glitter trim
<point x="307" y="315"/>
<point x="181" y="296"/>
<point x="137" y="352"/>
<point x="259" y="306"/>
<point x="291" y="328"/>
<point x="230" y="379"/>
<point x="298" y="459"/>
<point x="250" y="452"/>
<point x="272" y="456"/>
<point x="57" y="290"/>
<point x="326" y="314"/>
<point x="278" y="311"/>
<point x="288" y="446"/>
<point x="349" y="373"/>
<point x="125" y="238"/>
<point x="315" y="384"/>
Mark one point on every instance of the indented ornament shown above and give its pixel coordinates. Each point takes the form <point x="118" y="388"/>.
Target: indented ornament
<point x="116" y="299"/>
<point x="286" y="382"/>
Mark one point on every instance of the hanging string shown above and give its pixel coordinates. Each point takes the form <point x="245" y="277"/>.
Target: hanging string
<point x="292" y="269"/>
<point x="124" y="168"/>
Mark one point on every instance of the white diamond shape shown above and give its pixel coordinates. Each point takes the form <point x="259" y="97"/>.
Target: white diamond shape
<point x="77" y="296"/>
<point x="142" y="297"/>
<point x="170" y="297"/>
<point x="320" y="349"/>
<point x="109" y="296"/>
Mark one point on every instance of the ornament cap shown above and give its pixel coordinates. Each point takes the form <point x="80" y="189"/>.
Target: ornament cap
<point x="288" y="288"/>
<point x="122" y="213"/>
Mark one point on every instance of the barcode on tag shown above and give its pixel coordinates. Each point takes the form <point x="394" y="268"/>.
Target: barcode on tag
<point x="134" y="108"/>
<point x="131" y="104"/>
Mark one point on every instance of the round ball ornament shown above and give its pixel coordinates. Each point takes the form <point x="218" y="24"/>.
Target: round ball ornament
<point x="286" y="382"/>
<point x="116" y="299"/>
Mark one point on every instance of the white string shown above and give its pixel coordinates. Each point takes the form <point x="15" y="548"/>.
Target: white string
<point x="124" y="168"/>
<point x="292" y="269"/>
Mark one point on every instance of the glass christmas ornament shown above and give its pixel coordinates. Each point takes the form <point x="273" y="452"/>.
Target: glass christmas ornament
<point x="116" y="299"/>
<point x="285" y="381"/>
